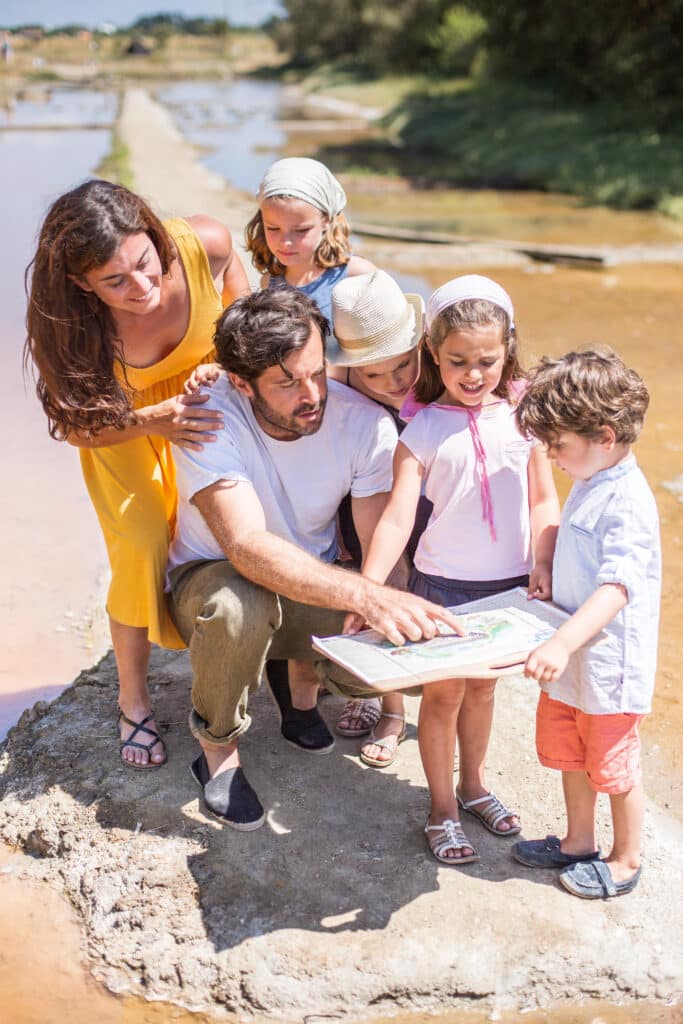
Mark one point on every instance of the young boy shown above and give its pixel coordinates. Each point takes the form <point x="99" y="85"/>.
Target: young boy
<point x="588" y="408"/>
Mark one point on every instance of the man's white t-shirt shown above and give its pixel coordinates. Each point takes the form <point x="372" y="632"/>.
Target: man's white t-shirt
<point x="299" y="483"/>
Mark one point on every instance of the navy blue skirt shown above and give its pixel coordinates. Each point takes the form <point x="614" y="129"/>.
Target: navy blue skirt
<point x="449" y="593"/>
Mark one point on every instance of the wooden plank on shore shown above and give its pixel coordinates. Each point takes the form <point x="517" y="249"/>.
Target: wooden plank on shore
<point x="568" y="254"/>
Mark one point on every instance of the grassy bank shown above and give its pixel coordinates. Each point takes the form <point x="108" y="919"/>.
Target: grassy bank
<point x="508" y="136"/>
<point x="116" y="164"/>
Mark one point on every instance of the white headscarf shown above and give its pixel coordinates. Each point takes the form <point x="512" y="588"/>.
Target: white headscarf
<point x="469" y="286"/>
<point x="303" y="178"/>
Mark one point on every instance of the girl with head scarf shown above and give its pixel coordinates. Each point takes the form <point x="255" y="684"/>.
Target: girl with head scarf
<point x="300" y="235"/>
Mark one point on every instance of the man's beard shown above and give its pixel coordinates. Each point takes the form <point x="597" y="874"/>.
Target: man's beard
<point x="289" y="426"/>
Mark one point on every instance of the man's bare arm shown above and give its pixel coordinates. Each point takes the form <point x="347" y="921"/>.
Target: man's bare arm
<point x="235" y="516"/>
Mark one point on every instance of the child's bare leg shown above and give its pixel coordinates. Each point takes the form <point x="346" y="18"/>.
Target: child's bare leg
<point x="303" y="684"/>
<point x="627" y="821"/>
<point x="474" y="731"/>
<point x="436" y="732"/>
<point x="580" y="799"/>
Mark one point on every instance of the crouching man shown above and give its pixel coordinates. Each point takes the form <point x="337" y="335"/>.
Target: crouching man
<point x="252" y="564"/>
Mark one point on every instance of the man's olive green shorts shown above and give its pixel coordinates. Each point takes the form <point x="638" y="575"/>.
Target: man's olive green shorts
<point x="231" y="627"/>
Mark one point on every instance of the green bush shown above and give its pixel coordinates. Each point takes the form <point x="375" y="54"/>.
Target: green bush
<point x="458" y="40"/>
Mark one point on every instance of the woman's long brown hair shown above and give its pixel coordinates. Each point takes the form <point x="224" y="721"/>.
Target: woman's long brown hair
<point x="70" y="334"/>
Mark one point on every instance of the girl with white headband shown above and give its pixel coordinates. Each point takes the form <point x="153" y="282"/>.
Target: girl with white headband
<point x="300" y="235"/>
<point x="493" y="527"/>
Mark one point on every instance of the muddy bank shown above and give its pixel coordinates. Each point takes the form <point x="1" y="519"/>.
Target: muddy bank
<point x="335" y="905"/>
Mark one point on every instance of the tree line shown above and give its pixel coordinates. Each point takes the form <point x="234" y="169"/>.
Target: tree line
<point x="153" y="24"/>
<point x="624" y="50"/>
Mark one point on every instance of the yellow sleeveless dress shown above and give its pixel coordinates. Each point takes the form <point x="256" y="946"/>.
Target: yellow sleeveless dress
<point x="132" y="485"/>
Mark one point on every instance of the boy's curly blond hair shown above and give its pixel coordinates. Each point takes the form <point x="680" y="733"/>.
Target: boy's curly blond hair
<point x="334" y="249"/>
<point x="582" y="393"/>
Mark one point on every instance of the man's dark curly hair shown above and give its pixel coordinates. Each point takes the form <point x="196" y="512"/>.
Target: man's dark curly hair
<point x="260" y="330"/>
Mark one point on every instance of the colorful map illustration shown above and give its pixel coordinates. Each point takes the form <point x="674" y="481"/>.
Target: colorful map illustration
<point x="497" y="641"/>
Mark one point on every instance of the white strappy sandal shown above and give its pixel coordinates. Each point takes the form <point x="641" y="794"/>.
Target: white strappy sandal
<point x="389" y="743"/>
<point x="489" y="810"/>
<point x="450" y="836"/>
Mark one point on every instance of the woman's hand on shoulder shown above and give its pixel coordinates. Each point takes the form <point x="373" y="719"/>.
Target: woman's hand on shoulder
<point x="182" y="420"/>
<point x="202" y="376"/>
<point x="359" y="265"/>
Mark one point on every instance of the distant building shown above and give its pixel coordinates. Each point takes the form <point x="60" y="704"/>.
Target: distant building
<point x="136" y="48"/>
<point x="34" y="35"/>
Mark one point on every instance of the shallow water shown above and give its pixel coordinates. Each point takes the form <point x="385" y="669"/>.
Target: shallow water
<point x="235" y="123"/>
<point x="519" y="216"/>
<point x="60" y="106"/>
<point x="50" y="546"/>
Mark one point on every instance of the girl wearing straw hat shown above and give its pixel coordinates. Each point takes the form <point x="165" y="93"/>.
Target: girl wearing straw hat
<point x="375" y="349"/>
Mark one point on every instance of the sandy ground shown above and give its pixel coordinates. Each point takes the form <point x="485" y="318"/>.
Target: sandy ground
<point x="335" y="906"/>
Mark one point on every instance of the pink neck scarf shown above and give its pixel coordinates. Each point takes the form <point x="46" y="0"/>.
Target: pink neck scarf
<point x="410" y="409"/>
<point x="480" y="456"/>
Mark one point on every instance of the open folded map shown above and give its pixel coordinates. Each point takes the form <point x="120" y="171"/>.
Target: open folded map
<point x="500" y="633"/>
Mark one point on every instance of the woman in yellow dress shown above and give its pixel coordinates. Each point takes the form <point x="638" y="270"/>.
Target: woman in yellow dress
<point x="121" y="310"/>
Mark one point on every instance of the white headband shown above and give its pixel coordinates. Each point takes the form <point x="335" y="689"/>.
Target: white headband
<point x="469" y="286"/>
<point x="303" y="178"/>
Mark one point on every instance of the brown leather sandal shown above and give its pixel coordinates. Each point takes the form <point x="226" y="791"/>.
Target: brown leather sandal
<point x="366" y="711"/>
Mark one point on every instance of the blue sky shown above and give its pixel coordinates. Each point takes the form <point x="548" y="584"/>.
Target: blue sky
<point x="51" y="13"/>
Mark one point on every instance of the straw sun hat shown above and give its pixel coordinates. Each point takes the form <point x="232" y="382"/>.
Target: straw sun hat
<point x="372" y="320"/>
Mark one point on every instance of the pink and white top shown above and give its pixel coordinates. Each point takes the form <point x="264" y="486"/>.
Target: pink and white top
<point x="476" y="474"/>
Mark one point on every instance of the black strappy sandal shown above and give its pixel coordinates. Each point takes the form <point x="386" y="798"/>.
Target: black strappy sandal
<point x="148" y="747"/>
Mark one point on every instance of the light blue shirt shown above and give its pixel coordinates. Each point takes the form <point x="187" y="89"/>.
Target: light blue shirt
<point x="609" y="533"/>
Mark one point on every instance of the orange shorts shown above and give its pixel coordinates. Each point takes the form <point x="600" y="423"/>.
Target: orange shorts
<point x="605" y="747"/>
